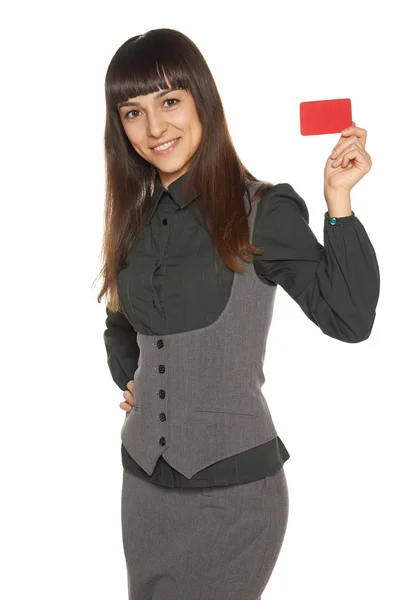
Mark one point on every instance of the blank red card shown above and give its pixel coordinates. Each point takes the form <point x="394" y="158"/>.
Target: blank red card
<point x="325" y="116"/>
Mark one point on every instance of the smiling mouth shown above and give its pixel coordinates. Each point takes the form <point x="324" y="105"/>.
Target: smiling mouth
<point x="167" y="147"/>
<point x="164" y="145"/>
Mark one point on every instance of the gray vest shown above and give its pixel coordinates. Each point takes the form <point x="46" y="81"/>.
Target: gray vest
<point x="197" y="394"/>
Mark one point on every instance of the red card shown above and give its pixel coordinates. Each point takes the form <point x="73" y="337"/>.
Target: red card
<point x="325" y="116"/>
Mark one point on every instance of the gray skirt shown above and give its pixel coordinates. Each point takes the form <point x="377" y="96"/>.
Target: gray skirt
<point x="208" y="543"/>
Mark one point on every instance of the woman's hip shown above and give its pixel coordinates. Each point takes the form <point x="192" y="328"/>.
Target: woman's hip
<point x="210" y="542"/>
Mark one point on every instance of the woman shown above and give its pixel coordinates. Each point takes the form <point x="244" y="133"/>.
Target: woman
<point x="204" y="492"/>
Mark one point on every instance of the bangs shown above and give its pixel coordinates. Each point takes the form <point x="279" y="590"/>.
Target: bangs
<point x="137" y="69"/>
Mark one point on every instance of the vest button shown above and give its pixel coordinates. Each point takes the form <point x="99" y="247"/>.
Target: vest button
<point x="160" y="343"/>
<point x="162" y="417"/>
<point x="161" y="393"/>
<point x="162" y="441"/>
<point x="161" y="368"/>
<point x="165" y="222"/>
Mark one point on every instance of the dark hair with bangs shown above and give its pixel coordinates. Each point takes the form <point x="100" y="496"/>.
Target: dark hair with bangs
<point x="216" y="173"/>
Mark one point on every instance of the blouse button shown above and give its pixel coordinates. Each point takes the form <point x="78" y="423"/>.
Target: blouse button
<point x="333" y="221"/>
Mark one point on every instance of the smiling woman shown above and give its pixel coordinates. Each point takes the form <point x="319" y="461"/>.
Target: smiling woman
<point x="159" y="90"/>
<point x="165" y="131"/>
<point x="163" y="127"/>
<point x="205" y="501"/>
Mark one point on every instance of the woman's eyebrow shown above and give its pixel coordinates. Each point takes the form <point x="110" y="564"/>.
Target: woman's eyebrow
<point x="157" y="96"/>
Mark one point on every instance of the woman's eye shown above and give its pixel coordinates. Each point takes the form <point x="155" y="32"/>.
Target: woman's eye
<point x="126" y="116"/>
<point x="172" y="100"/>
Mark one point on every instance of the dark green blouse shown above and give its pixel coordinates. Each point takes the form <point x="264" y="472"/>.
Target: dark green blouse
<point x="168" y="285"/>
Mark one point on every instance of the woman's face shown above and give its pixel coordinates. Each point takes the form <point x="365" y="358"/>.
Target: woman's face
<point x="154" y="119"/>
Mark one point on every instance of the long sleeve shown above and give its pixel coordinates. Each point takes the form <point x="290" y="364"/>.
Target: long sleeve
<point x="122" y="348"/>
<point x="336" y="285"/>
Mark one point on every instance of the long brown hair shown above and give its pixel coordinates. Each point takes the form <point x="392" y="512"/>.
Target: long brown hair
<point x="216" y="173"/>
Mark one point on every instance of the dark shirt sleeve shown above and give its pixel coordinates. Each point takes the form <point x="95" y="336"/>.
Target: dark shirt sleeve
<point x="122" y="348"/>
<point x="336" y="285"/>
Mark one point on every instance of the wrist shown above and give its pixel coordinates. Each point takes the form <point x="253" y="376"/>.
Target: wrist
<point x="338" y="202"/>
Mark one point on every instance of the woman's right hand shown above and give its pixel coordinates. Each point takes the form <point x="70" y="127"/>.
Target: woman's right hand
<point x="128" y="395"/>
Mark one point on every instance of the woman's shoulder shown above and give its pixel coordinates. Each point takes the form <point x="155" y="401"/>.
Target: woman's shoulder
<point x="283" y="199"/>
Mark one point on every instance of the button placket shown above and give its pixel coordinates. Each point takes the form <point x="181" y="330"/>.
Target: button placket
<point x="161" y="393"/>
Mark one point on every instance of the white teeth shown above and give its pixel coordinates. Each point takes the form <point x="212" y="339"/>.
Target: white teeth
<point x="165" y="146"/>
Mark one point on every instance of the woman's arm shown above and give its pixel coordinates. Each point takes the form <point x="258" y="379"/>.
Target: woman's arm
<point x="336" y="285"/>
<point x="122" y="348"/>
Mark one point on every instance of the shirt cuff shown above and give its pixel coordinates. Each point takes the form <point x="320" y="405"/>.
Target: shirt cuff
<point x="334" y="221"/>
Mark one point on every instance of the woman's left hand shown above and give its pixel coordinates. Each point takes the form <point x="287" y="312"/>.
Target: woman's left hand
<point x="352" y="160"/>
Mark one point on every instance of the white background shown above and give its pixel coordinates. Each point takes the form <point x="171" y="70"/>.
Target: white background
<point x="335" y="405"/>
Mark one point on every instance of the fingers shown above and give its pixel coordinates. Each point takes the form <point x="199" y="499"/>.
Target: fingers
<point x="360" y="157"/>
<point x="353" y="130"/>
<point x="350" y="145"/>
<point x="346" y="143"/>
<point x="129" y="398"/>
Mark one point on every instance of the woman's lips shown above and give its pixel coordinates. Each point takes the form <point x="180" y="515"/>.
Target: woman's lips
<point x="167" y="150"/>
